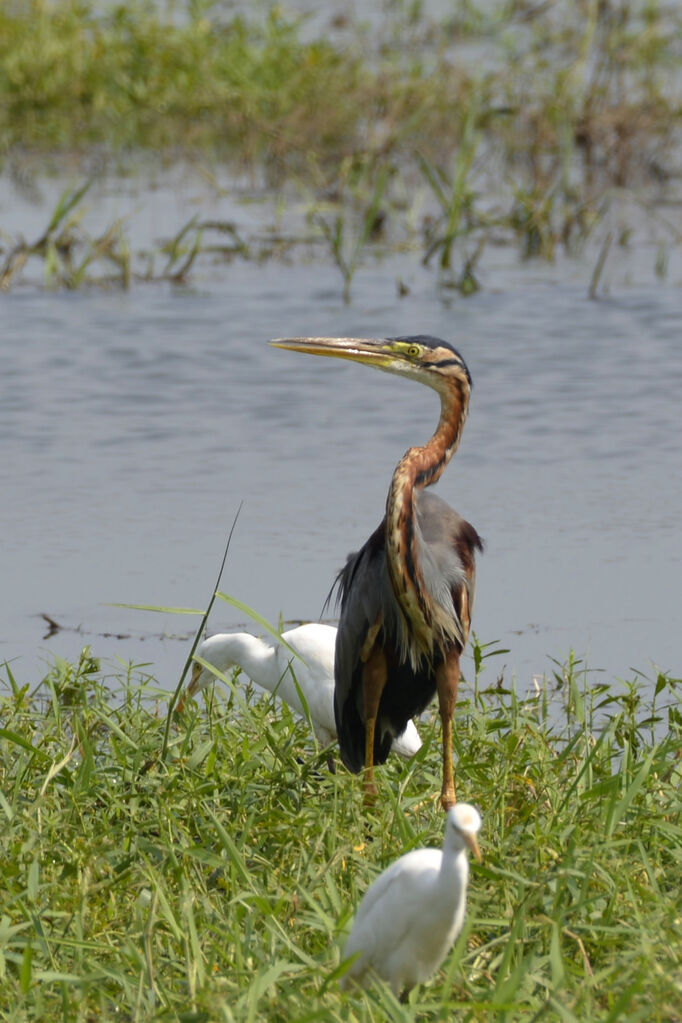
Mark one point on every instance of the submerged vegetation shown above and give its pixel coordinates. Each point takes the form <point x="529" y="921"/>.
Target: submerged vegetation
<point x="216" y="884"/>
<point x="517" y="123"/>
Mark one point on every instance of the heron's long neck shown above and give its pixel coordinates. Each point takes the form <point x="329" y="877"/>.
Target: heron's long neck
<point x="418" y="468"/>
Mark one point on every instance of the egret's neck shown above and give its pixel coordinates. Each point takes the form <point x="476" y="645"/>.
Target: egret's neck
<point x="253" y="656"/>
<point x="454" y="870"/>
<point x="418" y="468"/>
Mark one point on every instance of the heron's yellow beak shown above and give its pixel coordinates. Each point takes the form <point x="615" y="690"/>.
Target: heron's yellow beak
<point x="472" y="843"/>
<point x="370" y="351"/>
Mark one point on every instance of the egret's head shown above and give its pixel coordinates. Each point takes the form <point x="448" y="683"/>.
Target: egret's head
<point x="424" y="358"/>
<point x="199" y="680"/>
<point x="466" y="821"/>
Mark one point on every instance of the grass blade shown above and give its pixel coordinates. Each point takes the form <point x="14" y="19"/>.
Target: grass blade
<point x="202" y="625"/>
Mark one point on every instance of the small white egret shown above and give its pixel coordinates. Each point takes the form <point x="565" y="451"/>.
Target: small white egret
<point x="411" y="915"/>
<point x="273" y="667"/>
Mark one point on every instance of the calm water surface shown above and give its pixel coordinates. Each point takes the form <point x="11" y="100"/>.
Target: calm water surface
<point x="134" y="424"/>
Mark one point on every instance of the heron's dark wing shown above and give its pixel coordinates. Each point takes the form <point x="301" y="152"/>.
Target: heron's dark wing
<point x="362" y="586"/>
<point x="369" y="609"/>
<point x="446" y="545"/>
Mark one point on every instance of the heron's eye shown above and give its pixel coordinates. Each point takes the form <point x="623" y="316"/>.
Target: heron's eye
<point x="414" y="351"/>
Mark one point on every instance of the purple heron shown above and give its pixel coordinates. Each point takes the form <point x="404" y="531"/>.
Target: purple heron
<point x="406" y="596"/>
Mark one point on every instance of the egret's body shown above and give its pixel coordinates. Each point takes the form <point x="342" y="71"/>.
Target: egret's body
<point x="273" y="667"/>
<point x="407" y="595"/>
<point x="411" y="915"/>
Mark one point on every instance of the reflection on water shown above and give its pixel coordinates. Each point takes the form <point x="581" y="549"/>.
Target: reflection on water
<point x="134" y="424"/>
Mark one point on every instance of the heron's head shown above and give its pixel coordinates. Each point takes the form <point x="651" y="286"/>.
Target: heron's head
<point x="466" y="821"/>
<point x="423" y="358"/>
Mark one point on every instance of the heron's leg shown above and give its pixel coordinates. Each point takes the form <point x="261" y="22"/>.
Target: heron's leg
<point x="447" y="680"/>
<point x="373" y="681"/>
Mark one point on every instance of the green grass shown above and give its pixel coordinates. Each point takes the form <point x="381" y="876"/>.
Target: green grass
<point x="216" y="885"/>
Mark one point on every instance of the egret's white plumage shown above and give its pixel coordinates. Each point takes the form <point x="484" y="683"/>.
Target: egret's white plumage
<point x="273" y="667"/>
<point x="411" y="915"/>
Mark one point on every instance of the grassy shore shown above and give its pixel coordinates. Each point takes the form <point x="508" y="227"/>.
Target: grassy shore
<point x="217" y="885"/>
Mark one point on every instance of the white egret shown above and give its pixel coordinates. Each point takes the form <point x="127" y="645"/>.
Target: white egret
<point x="273" y="667"/>
<point x="411" y="915"/>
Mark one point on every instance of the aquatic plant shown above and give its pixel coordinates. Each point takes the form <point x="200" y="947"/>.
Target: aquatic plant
<point x="531" y="126"/>
<point x="357" y="218"/>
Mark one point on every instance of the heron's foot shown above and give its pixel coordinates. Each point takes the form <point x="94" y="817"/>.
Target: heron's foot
<point x="370" y="789"/>
<point x="448" y="797"/>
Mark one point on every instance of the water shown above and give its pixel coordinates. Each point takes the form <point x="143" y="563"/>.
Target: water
<point x="134" y="424"/>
